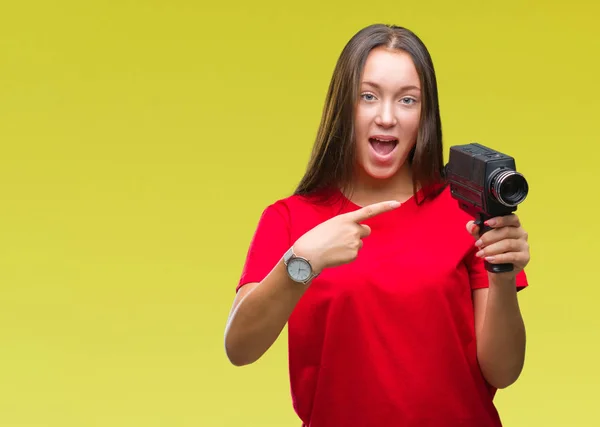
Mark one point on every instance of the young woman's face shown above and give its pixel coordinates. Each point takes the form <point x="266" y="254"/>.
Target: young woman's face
<point x="387" y="112"/>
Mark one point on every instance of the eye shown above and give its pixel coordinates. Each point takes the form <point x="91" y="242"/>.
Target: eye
<point x="408" y="101"/>
<point x="368" y="96"/>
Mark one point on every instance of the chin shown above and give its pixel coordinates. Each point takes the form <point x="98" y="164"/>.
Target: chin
<point x="380" y="173"/>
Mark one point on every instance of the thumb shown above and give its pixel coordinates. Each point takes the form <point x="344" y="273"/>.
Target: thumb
<point x="473" y="229"/>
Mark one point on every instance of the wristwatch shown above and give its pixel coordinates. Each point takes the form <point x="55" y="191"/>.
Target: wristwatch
<point x="298" y="268"/>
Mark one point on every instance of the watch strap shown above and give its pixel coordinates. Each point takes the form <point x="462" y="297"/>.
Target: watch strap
<point x="289" y="254"/>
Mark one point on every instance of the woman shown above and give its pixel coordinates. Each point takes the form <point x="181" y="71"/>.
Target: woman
<point x="392" y="318"/>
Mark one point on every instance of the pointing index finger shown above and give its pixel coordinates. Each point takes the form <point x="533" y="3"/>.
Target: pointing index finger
<point x="372" y="210"/>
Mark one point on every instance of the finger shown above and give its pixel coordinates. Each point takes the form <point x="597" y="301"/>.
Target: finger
<point x="502" y="247"/>
<point x="511" y="220"/>
<point x="519" y="259"/>
<point x="473" y="229"/>
<point x="370" y="211"/>
<point x="365" y="230"/>
<point x="499" y="234"/>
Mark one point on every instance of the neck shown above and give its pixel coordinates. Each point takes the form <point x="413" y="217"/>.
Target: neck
<point x="367" y="190"/>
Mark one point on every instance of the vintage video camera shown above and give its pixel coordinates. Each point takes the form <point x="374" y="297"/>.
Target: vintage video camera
<point x="486" y="184"/>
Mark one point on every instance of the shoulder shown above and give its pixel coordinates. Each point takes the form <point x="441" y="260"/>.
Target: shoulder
<point x="441" y="219"/>
<point x="297" y="213"/>
<point x="322" y="203"/>
<point x="443" y="203"/>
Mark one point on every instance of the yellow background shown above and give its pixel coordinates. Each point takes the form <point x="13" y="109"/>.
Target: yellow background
<point x="140" y="140"/>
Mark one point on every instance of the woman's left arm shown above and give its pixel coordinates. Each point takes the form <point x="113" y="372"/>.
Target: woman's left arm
<point x="498" y="321"/>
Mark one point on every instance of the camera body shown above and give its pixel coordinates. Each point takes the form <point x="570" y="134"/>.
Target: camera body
<point x="486" y="184"/>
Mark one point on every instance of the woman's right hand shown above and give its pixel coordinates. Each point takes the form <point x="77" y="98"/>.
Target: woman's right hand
<point x="338" y="240"/>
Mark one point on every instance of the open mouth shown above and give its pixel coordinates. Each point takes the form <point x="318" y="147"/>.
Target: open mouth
<point x="383" y="145"/>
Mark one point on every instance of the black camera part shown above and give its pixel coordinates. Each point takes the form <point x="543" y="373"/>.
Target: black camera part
<point x="486" y="184"/>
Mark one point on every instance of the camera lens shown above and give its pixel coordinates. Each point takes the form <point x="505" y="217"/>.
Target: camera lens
<point x="509" y="187"/>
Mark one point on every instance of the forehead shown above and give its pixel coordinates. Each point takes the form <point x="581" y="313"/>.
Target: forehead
<point x="390" y="68"/>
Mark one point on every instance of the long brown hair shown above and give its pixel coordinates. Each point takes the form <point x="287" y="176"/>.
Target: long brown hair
<point x="332" y="160"/>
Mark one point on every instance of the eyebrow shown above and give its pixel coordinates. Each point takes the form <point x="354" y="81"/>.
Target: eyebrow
<point x="376" y="86"/>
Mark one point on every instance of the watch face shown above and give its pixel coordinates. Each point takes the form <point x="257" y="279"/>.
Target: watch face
<point x="298" y="269"/>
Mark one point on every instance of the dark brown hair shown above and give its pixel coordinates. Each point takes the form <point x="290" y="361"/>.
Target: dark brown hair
<point x="332" y="160"/>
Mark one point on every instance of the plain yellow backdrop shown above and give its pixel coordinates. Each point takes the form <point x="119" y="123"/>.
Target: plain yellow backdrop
<point x="140" y="141"/>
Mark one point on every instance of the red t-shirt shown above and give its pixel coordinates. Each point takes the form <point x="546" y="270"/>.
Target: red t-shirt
<point x="389" y="339"/>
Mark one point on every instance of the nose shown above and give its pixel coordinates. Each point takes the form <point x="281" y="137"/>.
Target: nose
<point x="385" y="116"/>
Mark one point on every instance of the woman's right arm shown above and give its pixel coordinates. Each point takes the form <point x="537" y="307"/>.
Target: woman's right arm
<point x="261" y="310"/>
<point x="259" y="313"/>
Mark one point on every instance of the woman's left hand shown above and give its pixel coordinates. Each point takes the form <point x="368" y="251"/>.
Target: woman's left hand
<point x="505" y="243"/>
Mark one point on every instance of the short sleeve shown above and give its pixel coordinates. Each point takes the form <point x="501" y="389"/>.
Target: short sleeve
<point x="269" y="243"/>
<point x="478" y="275"/>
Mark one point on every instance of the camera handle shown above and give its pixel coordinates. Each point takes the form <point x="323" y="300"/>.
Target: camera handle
<point x="492" y="268"/>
